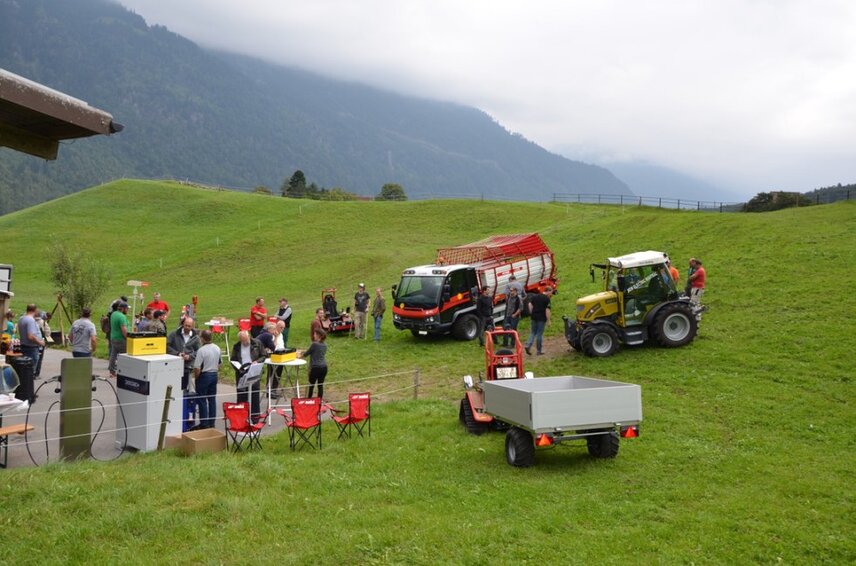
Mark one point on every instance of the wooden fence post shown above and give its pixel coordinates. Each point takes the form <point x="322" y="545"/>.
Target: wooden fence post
<point x="416" y="384"/>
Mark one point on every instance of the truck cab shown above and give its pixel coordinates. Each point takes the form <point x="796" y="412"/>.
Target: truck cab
<point x="430" y="298"/>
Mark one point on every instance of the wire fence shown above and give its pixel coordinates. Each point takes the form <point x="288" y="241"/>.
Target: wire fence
<point x="390" y="388"/>
<point x="657" y="202"/>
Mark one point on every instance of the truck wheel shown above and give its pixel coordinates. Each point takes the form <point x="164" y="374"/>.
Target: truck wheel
<point x="603" y="445"/>
<point x="674" y="326"/>
<point x="466" y="328"/>
<point x="519" y="447"/>
<point x="599" y="341"/>
<point x="473" y="426"/>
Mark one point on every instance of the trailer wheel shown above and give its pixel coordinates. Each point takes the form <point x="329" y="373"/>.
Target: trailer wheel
<point x="473" y="426"/>
<point x="674" y="326"/>
<point x="603" y="445"/>
<point x="519" y="447"/>
<point x="466" y="328"/>
<point x="599" y="341"/>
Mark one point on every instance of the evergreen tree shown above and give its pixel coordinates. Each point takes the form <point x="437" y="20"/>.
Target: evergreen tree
<point x="297" y="185"/>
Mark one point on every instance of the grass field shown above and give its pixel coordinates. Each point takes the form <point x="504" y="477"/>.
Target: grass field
<point x="746" y="453"/>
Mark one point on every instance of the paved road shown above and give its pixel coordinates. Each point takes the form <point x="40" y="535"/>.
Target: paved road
<point x="44" y="416"/>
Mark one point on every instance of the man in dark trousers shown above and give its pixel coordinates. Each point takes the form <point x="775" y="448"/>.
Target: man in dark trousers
<point x="184" y="343"/>
<point x="513" y="311"/>
<point x="539" y="310"/>
<point x="484" y="312"/>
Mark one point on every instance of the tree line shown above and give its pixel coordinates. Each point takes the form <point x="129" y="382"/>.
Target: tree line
<point x="296" y="187"/>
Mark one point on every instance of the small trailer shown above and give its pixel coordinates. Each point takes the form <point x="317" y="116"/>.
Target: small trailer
<point x="550" y="410"/>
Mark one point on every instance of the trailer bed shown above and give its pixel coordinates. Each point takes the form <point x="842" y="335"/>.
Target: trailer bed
<point x="564" y="403"/>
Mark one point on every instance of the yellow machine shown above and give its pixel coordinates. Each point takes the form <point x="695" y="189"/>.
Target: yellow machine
<point x="639" y="303"/>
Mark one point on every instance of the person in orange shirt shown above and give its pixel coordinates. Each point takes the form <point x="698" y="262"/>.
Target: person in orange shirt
<point x="673" y="271"/>
<point x="258" y="317"/>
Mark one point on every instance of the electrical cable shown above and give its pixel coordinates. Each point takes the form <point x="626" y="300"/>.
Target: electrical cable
<point x="58" y="379"/>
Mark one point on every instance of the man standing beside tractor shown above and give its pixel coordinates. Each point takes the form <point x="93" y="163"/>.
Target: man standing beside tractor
<point x="696" y="281"/>
<point x="539" y="311"/>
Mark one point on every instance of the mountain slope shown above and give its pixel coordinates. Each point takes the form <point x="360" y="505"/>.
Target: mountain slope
<point x="233" y="121"/>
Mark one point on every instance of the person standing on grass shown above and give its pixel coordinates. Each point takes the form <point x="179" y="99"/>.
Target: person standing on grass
<point x="284" y="315"/>
<point x="317" y="353"/>
<point x="539" y="311"/>
<point x="513" y="311"/>
<point x="118" y="335"/>
<point x="361" y="307"/>
<point x="696" y="281"/>
<point x="31" y="337"/>
<point x="205" y="368"/>
<point x="258" y="317"/>
<point x="484" y="312"/>
<point x="378" y="308"/>
<point x="83" y="335"/>
<point x="158" y="323"/>
<point x="158" y="305"/>
<point x="318" y="323"/>
<point x="185" y="344"/>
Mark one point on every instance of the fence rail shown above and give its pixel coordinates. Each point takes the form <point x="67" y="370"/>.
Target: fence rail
<point x="657" y="202"/>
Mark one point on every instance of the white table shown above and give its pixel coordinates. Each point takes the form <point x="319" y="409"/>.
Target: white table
<point x="296" y="363"/>
<point x="225" y="326"/>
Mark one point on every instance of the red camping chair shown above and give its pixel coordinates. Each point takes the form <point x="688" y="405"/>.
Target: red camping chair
<point x="244" y="324"/>
<point x="239" y="427"/>
<point x="304" y="423"/>
<point x="358" y="417"/>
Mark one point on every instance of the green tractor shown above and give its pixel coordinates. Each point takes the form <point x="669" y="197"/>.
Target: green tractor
<point x="639" y="303"/>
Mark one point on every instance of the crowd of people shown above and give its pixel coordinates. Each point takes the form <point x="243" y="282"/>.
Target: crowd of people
<point x="271" y="334"/>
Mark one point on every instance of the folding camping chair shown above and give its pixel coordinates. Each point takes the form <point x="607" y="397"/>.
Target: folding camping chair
<point x="304" y="423"/>
<point x="358" y="417"/>
<point x="240" y="427"/>
<point x="244" y="324"/>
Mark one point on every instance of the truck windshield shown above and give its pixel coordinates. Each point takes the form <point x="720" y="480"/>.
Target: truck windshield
<point x="419" y="291"/>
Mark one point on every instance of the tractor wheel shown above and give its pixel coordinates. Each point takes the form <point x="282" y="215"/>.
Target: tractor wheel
<point x="674" y="326"/>
<point x="519" y="447"/>
<point x="461" y="411"/>
<point x="603" y="445"/>
<point x="599" y="341"/>
<point x="577" y="343"/>
<point x="466" y="328"/>
<point x="473" y="426"/>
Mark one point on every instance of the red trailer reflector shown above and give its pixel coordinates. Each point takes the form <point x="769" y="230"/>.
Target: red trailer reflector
<point x="629" y="431"/>
<point x="544" y="440"/>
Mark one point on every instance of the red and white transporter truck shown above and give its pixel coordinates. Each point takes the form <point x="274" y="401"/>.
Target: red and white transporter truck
<point x="439" y="298"/>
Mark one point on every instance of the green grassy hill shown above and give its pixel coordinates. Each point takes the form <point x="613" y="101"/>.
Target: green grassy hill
<point x="746" y="453"/>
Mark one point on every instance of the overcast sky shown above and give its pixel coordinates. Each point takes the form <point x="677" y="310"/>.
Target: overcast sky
<point x="749" y="95"/>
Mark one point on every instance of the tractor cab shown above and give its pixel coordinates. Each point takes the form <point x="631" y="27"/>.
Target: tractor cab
<point x="503" y="360"/>
<point x="638" y="298"/>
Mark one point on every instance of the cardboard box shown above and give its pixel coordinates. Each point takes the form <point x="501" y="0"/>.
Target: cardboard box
<point x="281" y="357"/>
<point x="147" y="346"/>
<point x="173" y="442"/>
<point x="202" y="441"/>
